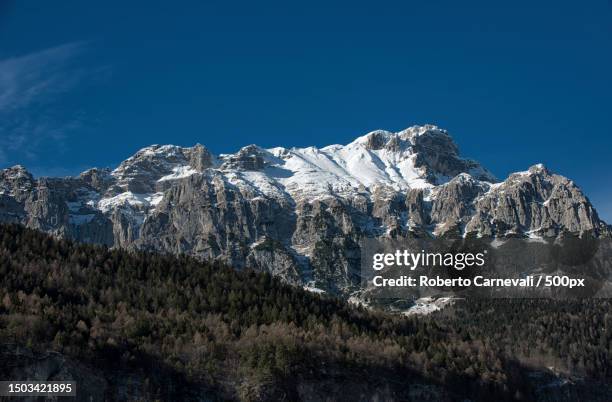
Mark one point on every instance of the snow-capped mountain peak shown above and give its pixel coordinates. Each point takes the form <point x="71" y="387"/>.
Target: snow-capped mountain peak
<point x="297" y="212"/>
<point x="385" y="182"/>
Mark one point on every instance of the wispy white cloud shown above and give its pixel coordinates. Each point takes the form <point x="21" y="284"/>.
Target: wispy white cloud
<point x="30" y="87"/>
<point x="30" y="78"/>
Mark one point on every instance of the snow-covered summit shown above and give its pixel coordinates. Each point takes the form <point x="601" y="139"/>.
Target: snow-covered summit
<point x="15" y="180"/>
<point x="17" y="172"/>
<point x="141" y="172"/>
<point x="420" y="157"/>
<point x="417" y="157"/>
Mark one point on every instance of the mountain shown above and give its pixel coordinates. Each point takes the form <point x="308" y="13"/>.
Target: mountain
<point x="298" y="213"/>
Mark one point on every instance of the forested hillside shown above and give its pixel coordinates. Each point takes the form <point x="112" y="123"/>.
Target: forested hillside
<point x="185" y="324"/>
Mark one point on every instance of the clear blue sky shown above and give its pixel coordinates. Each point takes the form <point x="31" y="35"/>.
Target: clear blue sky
<point x="515" y="83"/>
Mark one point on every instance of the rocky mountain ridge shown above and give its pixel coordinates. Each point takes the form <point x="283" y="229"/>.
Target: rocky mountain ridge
<point x="301" y="212"/>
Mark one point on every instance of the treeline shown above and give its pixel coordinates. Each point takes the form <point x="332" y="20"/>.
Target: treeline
<point x="244" y="333"/>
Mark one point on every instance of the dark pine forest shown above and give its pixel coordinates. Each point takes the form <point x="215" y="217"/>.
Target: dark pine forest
<point x="245" y="335"/>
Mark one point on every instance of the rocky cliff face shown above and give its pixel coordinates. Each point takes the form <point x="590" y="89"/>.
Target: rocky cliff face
<point x="301" y="212"/>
